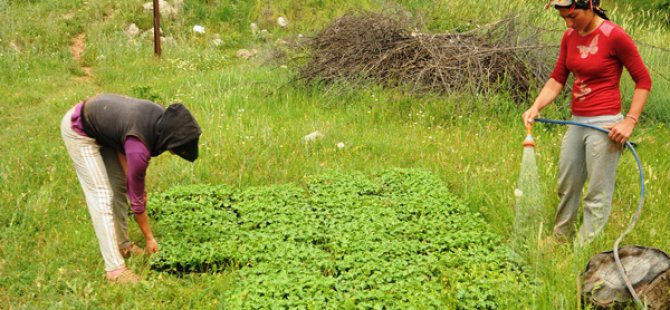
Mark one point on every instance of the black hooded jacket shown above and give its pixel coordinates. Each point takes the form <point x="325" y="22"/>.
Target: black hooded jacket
<point x="111" y="118"/>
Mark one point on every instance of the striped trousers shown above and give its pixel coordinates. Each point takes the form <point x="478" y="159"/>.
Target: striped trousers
<point x="104" y="184"/>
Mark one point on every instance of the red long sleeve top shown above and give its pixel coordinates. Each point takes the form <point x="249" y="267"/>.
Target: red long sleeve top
<point x="596" y="60"/>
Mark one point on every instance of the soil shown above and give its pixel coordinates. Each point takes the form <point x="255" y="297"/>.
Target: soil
<point x="77" y="49"/>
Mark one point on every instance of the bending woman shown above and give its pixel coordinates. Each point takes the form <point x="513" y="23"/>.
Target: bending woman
<point x="111" y="139"/>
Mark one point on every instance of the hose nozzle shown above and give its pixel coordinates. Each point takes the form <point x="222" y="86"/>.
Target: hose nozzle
<point x="529" y="142"/>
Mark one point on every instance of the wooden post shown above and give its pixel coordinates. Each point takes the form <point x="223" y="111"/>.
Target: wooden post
<point x="157" y="29"/>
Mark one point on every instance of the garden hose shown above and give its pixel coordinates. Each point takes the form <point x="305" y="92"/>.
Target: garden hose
<point x="639" y="206"/>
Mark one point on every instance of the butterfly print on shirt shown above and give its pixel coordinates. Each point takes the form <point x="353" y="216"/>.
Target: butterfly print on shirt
<point x="592" y="49"/>
<point x="581" y="90"/>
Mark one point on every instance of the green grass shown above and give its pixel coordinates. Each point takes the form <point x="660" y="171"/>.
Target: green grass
<point x="253" y="121"/>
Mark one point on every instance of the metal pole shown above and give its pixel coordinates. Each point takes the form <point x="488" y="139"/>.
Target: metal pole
<point x="157" y="29"/>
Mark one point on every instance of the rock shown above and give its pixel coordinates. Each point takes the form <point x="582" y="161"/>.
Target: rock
<point x="150" y="32"/>
<point x="217" y="40"/>
<point x="68" y="16"/>
<point x="179" y="5"/>
<point x="245" y="53"/>
<point x="282" y="22"/>
<point x="132" y="31"/>
<point x="14" y="47"/>
<point x="312" y="136"/>
<point x="199" y="29"/>
<point x="167" y="10"/>
<point x="265" y="34"/>
<point x="168" y="40"/>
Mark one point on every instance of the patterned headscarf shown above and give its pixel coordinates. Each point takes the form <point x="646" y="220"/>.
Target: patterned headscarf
<point x="578" y="4"/>
<point x="574" y="4"/>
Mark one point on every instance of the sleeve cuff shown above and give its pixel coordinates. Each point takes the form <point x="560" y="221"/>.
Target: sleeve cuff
<point x="138" y="209"/>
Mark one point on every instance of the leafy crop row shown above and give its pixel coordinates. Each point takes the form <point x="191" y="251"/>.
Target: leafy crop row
<point x="401" y="240"/>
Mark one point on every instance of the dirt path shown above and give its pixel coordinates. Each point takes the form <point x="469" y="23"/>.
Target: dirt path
<point x="77" y="49"/>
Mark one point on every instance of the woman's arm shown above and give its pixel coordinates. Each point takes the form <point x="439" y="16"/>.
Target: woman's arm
<point x="627" y="53"/>
<point x="135" y="163"/>
<point x="549" y="92"/>
<point x="620" y="132"/>
<point x="142" y="220"/>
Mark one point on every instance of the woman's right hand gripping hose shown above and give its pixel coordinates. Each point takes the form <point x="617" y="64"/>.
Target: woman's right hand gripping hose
<point x="529" y="116"/>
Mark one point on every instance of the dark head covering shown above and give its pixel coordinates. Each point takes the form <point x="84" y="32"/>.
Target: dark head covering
<point x="188" y="151"/>
<point x="111" y="118"/>
<point x="178" y="131"/>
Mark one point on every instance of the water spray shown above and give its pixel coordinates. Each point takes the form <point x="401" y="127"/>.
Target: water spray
<point x="529" y="196"/>
<point x="529" y="142"/>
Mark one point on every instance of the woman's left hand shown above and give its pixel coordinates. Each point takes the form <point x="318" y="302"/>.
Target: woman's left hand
<point x="621" y="131"/>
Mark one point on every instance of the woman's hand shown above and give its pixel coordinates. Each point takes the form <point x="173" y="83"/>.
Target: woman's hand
<point x="143" y="220"/>
<point x="529" y="116"/>
<point x="152" y="246"/>
<point x="621" y="131"/>
<point x="548" y="93"/>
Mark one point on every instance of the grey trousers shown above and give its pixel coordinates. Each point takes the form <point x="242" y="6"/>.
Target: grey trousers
<point x="104" y="184"/>
<point x="586" y="154"/>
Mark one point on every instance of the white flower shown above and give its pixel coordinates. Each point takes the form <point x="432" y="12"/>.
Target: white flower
<point x="198" y="29"/>
<point x="518" y="193"/>
<point x="254" y="28"/>
<point x="282" y="22"/>
<point x="340" y="145"/>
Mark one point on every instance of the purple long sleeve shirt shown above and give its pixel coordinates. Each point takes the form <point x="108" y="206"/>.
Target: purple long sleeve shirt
<point x="137" y="162"/>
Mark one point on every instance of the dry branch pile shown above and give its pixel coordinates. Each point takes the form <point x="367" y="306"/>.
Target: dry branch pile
<point x="381" y="48"/>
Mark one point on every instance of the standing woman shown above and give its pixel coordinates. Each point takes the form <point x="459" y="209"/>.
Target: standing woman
<point x="111" y="139"/>
<point x="594" y="50"/>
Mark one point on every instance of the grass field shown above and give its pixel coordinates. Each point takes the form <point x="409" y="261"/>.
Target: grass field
<point x="253" y="121"/>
